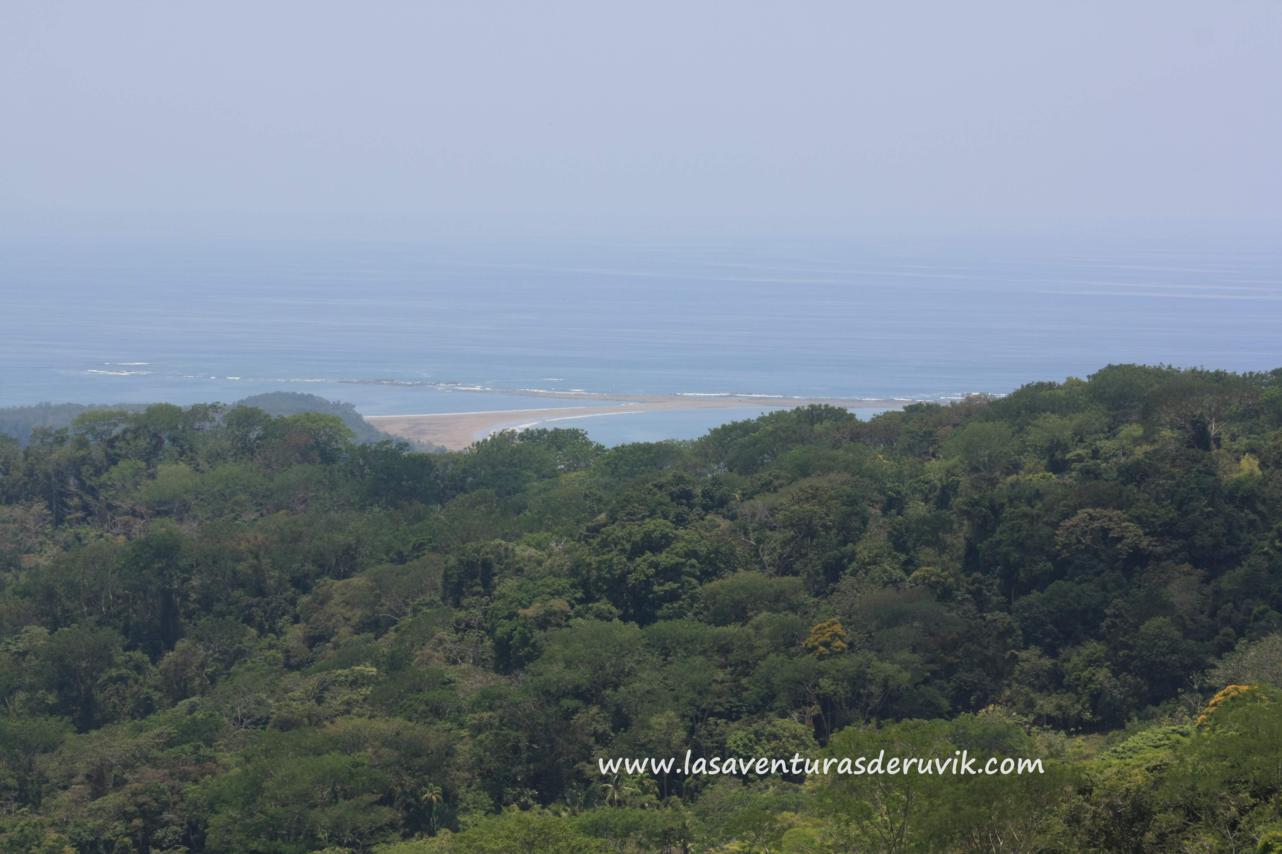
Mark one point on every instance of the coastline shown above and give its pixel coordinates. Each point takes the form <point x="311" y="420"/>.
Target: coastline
<point x="458" y="430"/>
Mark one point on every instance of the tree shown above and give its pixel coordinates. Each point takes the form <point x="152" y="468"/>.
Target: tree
<point x="826" y="638"/>
<point x="74" y="660"/>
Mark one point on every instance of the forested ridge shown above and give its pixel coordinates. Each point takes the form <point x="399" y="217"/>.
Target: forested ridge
<point x="223" y="631"/>
<point x="20" y="421"/>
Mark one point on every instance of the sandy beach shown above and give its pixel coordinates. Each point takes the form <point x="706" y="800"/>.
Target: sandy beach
<point x="458" y="430"/>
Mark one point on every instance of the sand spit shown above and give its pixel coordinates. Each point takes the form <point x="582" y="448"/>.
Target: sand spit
<point x="457" y="430"/>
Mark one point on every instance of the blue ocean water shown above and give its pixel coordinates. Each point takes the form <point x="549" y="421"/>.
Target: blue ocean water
<point x="399" y="329"/>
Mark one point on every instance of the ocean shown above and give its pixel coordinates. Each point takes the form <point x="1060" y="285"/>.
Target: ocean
<point x="400" y="329"/>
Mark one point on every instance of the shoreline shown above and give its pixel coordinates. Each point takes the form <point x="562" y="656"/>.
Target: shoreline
<point x="455" y="431"/>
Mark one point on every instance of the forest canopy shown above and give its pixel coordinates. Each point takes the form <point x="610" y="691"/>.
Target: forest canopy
<point x="227" y="631"/>
<point x="20" y="422"/>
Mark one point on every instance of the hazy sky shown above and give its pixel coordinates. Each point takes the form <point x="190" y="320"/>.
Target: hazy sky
<point x="289" y="118"/>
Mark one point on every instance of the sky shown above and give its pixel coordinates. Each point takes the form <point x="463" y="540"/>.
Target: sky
<point x="417" y="118"/>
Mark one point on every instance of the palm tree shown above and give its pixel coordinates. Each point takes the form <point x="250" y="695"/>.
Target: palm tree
<point x="432" y="796"/>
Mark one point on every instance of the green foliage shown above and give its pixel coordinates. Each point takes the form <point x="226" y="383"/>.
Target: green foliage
<point x="737" y="597"/>
<point x="511" y="832"/>
<point x="1251" y="662"/>
<point x="224" y="630"/>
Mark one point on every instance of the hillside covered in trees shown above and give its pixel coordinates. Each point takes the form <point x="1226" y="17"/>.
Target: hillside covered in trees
<point x="19" y="422"/>
<point x="223" y="631"/>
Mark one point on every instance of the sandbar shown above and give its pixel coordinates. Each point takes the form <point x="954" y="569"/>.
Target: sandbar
<point x="457" y="430"/>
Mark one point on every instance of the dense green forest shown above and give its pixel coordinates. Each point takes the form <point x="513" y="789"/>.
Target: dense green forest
<point x="223" y="631"/>
<point x="20" y="422"/>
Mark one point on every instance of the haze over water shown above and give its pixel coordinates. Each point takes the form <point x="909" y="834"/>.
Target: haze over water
<point x="205" y="201"/>
<point x="400" y="329"/>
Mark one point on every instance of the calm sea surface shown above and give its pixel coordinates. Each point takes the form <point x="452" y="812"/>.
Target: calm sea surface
<point x="406" y="329"/>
